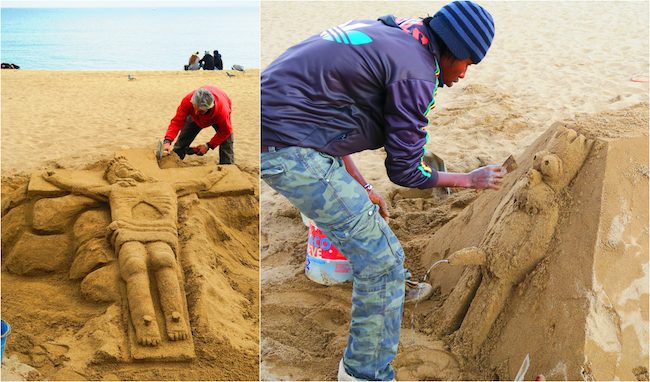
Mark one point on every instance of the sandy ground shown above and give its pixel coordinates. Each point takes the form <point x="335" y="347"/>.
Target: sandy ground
<point x="549" y="62"/>
<point x="61" y="289"/>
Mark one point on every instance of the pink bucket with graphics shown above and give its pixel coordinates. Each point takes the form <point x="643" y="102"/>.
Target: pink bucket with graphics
<point x="325" y="264"/>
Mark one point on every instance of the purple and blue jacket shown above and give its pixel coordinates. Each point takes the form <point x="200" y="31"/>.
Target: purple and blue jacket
<point x="361" y="85"/>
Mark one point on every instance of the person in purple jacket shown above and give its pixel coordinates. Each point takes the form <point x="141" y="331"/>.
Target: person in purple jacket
<point x="357" y="86"/>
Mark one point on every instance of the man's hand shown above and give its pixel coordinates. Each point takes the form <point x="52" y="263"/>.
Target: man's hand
<point x="487" y="177"/>
<point x="167" y="148"/>
<point x="375" y="198"/>
<point x="201" y="150"/>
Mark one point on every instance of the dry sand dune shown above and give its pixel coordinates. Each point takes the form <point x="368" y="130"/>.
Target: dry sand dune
<point x="549" y="62"/>
<point x="64" y="222"/>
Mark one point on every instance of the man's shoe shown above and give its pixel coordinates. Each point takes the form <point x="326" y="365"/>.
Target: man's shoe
<point x="416" y="292"/>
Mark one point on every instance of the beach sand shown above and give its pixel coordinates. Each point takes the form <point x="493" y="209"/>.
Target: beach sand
<point x="585" y="65"/>
<point x="61" y="287"/>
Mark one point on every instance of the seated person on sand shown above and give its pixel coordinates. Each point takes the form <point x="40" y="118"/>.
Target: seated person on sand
<point x="207" y="62"/>
<point x="218" y="62"/>
<point x="193" y="63"/>
<point x="203" y="107"/>
<point x="144" y="234"/>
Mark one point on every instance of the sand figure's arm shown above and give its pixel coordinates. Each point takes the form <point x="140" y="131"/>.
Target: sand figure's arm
<point x="197" y="185"/>
<point x="468" y="256"/>
<point x="97" y="192"/>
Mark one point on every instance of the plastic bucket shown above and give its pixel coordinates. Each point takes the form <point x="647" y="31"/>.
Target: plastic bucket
<point x="6" y="329"/>
<point x="325" y="264"/>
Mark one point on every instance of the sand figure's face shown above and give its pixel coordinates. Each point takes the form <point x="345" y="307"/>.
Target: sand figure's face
<point x="548" y="165"/>
<point x="552" y="170"/>
<point x="119" y="170"/>
<point x="564" y="156"/>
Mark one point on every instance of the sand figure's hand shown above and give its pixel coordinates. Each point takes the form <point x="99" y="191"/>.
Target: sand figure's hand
<point x="487" y="177"/>
<point x="375" y="198"/>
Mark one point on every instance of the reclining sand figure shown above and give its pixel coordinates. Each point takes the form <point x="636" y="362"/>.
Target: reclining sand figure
<point x="144" y="234"/>
<point x="517" y="237"/>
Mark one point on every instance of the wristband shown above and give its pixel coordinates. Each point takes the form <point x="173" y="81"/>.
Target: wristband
<point x="167" y="141"/>
<point x="368" y="187"/>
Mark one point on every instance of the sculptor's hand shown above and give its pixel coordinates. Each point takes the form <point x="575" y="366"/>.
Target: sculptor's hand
<point x="167" y="148"/>
<point x="375" y="198"/>
<point x="201" y="149"/>
<point x="487" y="177"/>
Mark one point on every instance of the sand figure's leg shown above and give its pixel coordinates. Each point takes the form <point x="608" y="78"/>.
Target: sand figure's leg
<point x="450" y="316"/>
<point x="163" y="263"/>
<point x="483" y="311"/>
<point x="133" y="268"/>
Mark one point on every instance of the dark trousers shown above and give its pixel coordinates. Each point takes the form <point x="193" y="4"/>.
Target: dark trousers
<point x="191" y="130"/>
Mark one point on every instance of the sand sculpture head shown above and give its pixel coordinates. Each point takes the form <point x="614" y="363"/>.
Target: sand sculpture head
<point x="553" y="169"/>
<point x="562" y="159"/>
<point x="119" y="169"/>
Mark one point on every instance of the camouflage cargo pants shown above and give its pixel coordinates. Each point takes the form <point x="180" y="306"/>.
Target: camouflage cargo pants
<point x="321" y="188"/>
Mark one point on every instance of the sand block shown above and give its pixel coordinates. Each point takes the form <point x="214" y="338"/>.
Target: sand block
<point x="89" y="256"/>
<point x="91" y="224"/>
<point x="14" y="199"/>
<point x="34" y="254"/>
<point x="233" y="183"/>
<point x="39" y="186"/>
<point x="102" y="285"/>
<point x="56" y="214"/>
<point x="14" y="223"/>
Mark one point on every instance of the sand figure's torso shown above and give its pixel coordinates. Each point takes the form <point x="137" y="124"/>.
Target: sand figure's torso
<point x="145" y="203"/>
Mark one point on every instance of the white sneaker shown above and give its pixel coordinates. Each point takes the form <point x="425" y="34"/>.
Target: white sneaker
<point x="417" y="292"/>
<point x="344" y="376"/>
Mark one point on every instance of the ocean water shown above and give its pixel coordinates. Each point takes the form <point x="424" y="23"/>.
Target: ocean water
<point x="128" y="38"/>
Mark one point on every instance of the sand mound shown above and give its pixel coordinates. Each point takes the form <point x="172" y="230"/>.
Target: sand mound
<point x="131" y="261"/>
<point x="565" y="251"/>
<point x="565" y="258"/>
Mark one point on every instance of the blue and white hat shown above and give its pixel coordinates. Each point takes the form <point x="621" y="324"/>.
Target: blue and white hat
<point x="466" y="28"/>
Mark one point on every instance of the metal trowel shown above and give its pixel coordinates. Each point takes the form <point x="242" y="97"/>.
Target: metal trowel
<point x="160" y="151"/>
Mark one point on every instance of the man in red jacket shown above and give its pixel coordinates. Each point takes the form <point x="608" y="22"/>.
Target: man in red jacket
<point x="203" y="107"/>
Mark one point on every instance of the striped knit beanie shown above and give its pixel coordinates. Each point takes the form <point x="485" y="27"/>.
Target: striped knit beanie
<point x="466" y="28"/>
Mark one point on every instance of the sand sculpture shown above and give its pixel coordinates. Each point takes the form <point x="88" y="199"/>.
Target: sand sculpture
<point x="516" y="240"/>
<point x="144" y="234"/>
<point x="137" y="240"/>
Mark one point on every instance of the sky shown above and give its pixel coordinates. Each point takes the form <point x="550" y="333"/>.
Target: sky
<point x="123" y="4"/>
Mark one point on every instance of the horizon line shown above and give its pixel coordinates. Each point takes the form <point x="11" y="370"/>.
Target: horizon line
<point x="126" y="4"/>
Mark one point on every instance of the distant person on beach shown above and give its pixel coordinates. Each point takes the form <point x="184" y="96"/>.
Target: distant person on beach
<point x="364" y="85"/>
<point x="218" y="63"/>
<point x="201" y="108"/>
<point x="207" y="62"/>
<point x="9" y="66"/>
<point x="193" y="63"/>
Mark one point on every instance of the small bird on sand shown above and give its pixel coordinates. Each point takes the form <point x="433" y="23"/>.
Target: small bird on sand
<point x="230" y="75"/>
<point x="131" y="78"/>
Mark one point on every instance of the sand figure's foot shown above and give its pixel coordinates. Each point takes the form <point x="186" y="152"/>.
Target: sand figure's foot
<point x="176" y="327"/>
<point x="147" y="331"/>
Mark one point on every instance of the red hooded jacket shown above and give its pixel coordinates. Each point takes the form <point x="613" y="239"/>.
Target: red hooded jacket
<point x="219" y="115"/>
